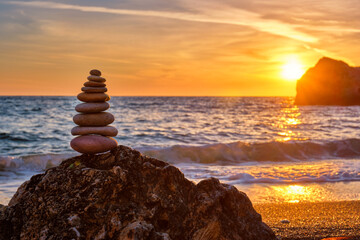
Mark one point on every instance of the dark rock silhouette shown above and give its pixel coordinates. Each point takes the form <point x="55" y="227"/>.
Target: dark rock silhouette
<point x="124" y="195"/>
<point x="330" y="82"/>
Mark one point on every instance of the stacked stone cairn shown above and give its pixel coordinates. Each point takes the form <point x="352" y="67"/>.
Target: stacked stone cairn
<point x="95" y="134"/>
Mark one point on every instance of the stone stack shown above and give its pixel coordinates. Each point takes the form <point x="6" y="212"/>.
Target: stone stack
<point x="95" y="134"/>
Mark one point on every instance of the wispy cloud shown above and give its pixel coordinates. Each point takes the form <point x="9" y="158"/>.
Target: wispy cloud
<point x="223" y="15"/>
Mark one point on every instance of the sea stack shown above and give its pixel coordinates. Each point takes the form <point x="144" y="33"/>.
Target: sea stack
<point x="329" y="82"/>
<point x="92" y="120"/>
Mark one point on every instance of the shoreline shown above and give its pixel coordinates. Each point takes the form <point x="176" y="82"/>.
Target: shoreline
<point x="312" y="220"/>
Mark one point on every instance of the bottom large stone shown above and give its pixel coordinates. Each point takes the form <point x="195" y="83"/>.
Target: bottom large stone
<point x="93" y="144"/>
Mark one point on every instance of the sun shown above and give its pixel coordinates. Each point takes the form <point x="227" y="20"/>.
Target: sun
<point x="292" y="70"/>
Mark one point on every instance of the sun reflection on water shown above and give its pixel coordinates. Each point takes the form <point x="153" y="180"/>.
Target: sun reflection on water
<point x="286" y="122"/>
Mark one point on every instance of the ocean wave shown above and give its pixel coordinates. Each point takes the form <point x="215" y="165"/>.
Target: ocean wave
<point x="241" y="178"/>
<point x="238" y="163"/>
<point x="4" y="135"/>
<point x="270" y="178"/>
<point x="38" y="162"/>
<point x="321" y="171"/>
<point x="239" y="152"/>
<point x="223" y="154"/>
<point x="18" y="137"/>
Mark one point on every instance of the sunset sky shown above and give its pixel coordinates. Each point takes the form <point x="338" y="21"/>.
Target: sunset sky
<point x="171" y="47"/>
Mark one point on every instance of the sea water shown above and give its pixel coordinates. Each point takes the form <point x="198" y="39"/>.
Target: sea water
<point x="267" y="147"/>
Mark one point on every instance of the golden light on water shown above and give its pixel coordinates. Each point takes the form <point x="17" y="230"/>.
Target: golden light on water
<point x="286" y="123"/>
<point x="292" y="121"/>
<point x="293" y="69"/>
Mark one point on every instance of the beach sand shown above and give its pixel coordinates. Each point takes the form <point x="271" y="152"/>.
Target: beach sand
<point x="312" y="220"/>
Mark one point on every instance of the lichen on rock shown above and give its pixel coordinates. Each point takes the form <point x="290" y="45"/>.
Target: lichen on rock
<point x="125" y="195"/>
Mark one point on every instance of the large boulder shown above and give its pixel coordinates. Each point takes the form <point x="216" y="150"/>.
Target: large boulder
<point x="330" y="82"/>
<point x="124" y="195"/>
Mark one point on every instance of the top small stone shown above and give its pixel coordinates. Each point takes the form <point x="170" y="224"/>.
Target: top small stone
<point x="95" y="72"/>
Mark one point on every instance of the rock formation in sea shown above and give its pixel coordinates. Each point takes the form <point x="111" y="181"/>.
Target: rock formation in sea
<point x="125" y="195"/>
<point x="329" y="82"/>
<point x="95" y="134"/>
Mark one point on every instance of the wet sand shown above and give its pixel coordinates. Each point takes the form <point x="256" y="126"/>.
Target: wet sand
<point x="312" y="220"/>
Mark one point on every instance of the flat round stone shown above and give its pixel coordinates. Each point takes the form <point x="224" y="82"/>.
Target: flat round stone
<point x="93" y="119"/>
<point x="104" y="131"/>
<point x="92" y="107"/>
<point x="93" y="89"/>
<point x="93" y="97"/>
<point x="93" y="144"/>
<point x="96" y="78"/>
<point x="95" y="72"/>
<point x="94" y="84"/>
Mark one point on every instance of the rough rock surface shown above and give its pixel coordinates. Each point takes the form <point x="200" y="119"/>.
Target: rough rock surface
<point x="330" y="82"/>
<point x="124" y="195"/>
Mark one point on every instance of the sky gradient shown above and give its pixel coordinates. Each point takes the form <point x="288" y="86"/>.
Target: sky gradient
<point x="170" y="48"/>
